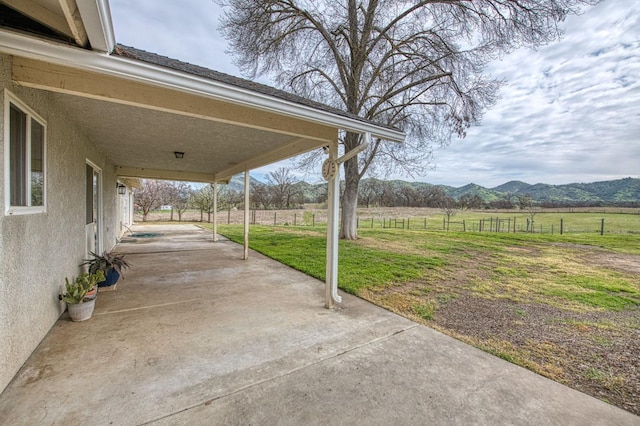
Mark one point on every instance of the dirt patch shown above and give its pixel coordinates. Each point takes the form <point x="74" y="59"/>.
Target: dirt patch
<point x="594" y="351"/>
<point x="617" y="261"/>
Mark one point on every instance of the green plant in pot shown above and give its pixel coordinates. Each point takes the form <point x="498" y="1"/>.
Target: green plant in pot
<point x="110" y="263"/>
<point x="80" y="305"/>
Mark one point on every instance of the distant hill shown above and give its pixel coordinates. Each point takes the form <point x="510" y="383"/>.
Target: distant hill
<point x="625" y="190"/>
<point x="613" y="192"/>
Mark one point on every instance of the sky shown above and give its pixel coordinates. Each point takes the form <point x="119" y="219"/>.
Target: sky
<point x="568" y="112"/>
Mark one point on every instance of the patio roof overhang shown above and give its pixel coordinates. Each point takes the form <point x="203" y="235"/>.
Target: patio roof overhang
<point x="139" y="113"/>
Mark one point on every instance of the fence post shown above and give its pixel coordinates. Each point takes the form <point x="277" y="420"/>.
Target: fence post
<point x="464" y="226"/>
<point x="313" y="220"/>
<point x="275" y="214"/>
<point x="444" y="224"/>
<point x="294" y="219"/>
<point x="514" y="224"/>
<point x="371" y="222"/>
<point x="357" y="222"/>
<point x="408" y="227"/>
<point x="602" y="227"/>
<point x="561" y="226"/>
<point x="229" y="216"/>
<point x="425" y="223"/>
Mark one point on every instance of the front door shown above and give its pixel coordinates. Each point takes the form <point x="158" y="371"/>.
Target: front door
<point x="93" y="227"/>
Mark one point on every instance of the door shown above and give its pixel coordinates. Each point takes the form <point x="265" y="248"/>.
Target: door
<point x="93" y="209"/>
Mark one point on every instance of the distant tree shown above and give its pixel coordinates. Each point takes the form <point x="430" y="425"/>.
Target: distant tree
<point x="418" y="65"/>
<point x="504" y="202"/>
<point x="527" y="204"/>
<point x="449" y="207"/>
<point x="432" y="196"/>
<point x="283" y="188"/>
<point x="202" y="199"/>
<point x="178" y="195"/>
<point x="470" y="201"/>
<point x="229" y="198"/>
<point x="150" y="197"/>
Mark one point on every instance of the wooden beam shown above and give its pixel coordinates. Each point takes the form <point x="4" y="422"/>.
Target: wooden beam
<point x="74" y="20"/>
<point x="141" y="173"/>
<point x="62" y="79"/>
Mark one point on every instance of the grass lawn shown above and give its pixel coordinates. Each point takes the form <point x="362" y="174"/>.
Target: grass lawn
<point x="567" y="307"/>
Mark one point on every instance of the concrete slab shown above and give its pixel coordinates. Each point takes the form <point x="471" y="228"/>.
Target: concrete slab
<point x="196" y="335"/>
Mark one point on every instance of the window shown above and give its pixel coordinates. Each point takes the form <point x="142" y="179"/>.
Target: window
<point x="24" y="159"/>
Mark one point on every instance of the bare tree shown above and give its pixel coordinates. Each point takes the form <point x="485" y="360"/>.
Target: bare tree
<point x="149" y="198"/>
<point x="449" y="207"/>
<point x="203" y="200"/>
<point x="260" y="195"/>
<point x="283" y="188"/>
<point x="417" y="65"/>
<point x="180" y="197"/>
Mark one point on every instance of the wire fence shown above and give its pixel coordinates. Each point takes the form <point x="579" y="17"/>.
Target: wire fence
<point x="545" y="223"/>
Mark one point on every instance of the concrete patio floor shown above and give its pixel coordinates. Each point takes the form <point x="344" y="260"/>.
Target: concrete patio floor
<point x="195" y="335"/>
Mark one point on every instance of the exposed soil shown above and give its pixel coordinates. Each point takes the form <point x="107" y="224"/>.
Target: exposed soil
<point x="597" y="353"/>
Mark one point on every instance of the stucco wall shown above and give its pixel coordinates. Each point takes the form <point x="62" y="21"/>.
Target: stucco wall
<point x="38" y="251"/>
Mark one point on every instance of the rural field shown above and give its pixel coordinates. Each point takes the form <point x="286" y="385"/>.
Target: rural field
<point x="565" y="306"/>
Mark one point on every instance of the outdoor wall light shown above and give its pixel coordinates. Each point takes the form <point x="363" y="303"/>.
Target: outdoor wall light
<point x="178" y="154"/>
<point x="122" y="189"/>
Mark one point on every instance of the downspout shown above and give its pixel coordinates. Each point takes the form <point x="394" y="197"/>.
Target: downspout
<point x="331" y="284"/>
<point x="333" y="192"/>
<point x="246" y="215"/>
<point x="215" y="212"/>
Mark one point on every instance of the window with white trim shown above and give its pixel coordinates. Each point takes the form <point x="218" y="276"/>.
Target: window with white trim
<point x="25" y="139"/>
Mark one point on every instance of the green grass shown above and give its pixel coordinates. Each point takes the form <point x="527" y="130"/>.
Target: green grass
<point x="537" y="268"/>
<point x="358" y="268"/>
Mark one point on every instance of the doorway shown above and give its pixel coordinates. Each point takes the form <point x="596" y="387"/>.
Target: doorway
<point x="93" y="228"/>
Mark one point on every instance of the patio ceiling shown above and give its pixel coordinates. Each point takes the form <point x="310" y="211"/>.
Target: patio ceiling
<point x="138" y="126"/>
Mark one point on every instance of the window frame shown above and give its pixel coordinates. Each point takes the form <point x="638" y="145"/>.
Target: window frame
<point x="11" y="210"/>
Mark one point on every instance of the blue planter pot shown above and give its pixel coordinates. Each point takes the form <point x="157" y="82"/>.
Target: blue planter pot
<point x="111" y="278"/>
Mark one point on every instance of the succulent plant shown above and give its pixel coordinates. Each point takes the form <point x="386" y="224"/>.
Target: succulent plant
<point x="77" y="290"/>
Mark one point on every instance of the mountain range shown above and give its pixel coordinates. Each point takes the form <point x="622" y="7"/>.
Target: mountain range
<point x="611" y="191"/>
<point x="618" y="191"/>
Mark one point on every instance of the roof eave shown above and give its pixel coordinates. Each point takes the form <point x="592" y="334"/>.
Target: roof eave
<point x="147" y="73"/>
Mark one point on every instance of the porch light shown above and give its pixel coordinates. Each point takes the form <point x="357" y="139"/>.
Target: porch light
<point x="178" y="154"/>
<point x="122" y="189"/>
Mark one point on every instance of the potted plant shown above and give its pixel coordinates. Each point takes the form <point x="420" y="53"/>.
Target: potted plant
<point x="80" y="305"/>
<point x="110" y="263"/>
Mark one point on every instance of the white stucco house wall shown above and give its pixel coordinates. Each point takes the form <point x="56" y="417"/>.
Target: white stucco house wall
<point x="81" y="116"/>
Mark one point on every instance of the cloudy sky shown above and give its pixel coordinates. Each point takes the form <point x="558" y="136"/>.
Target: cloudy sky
<point x="569" y="112"/>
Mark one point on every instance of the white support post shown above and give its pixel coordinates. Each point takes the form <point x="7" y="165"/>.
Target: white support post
<point x="331" y="283"/>
<point x="215" y="212"/>
<point x="246" y="215"/>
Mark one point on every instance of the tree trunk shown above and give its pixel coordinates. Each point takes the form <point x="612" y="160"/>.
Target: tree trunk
<point x="349" y="226"/>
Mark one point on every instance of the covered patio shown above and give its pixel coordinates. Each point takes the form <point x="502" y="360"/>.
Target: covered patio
<point x="194" y="334"/>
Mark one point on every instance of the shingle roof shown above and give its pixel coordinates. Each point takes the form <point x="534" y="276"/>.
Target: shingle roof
<point x="174" y="64"/>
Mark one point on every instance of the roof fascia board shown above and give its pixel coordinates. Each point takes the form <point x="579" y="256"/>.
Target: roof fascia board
<point x="96" y="17"/>
<point x="164" y="77"/>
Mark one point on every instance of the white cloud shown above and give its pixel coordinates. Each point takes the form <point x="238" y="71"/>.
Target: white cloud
<point x="570" y="111"/>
